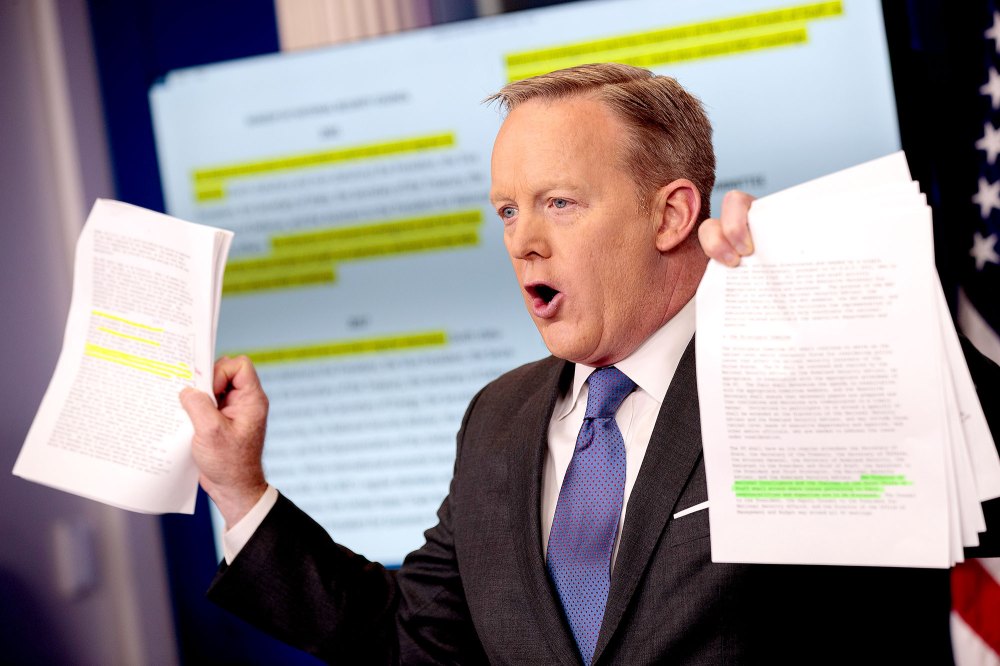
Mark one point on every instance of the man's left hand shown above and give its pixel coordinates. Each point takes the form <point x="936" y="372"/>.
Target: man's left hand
<point x="727" y="237"/>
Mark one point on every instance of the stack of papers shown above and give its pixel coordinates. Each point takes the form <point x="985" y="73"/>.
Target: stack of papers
<point x="840" y="422"/>
<point x="141" y="327"/>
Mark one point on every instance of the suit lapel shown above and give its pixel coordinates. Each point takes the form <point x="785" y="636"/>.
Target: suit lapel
<point x="673" y="452"/>
<point x="529" y="434"/>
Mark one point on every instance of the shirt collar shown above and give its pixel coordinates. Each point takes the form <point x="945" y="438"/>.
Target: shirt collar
<point x="651" y="366"/>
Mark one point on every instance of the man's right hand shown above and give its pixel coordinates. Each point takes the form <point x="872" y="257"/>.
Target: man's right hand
<point x="229" y="439"/>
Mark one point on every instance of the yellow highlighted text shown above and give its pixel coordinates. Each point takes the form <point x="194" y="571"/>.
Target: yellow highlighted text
<point x="152" y="366"/>
<point x="271" y="277"/>
<point x="129" y="337"/>
<point x="681" y="43"/>
<point x="105" y="315"/>
<point x="209" y="183"/>
<point x="336" y="348"/>
<point x="309" y="258"/>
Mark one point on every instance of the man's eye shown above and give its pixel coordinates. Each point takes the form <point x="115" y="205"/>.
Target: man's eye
<point x="560" y="203"/>
<point x="507" y="212"/>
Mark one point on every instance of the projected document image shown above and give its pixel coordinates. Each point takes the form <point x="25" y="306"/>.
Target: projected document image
<point x="372" y="253"/>
<point x="363" y="284"/>
<point x="368" y="279"/>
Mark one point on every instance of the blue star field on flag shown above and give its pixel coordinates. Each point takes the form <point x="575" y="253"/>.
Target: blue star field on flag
<point x="980" y="272"/>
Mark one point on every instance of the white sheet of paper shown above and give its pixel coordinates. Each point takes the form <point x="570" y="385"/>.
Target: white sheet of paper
<point x="820" y="370"/>
<point x="981" y="449"/>
<point x="883" y="175"/>
<point x="141" y="326"/>
<point x="884" y="183"/>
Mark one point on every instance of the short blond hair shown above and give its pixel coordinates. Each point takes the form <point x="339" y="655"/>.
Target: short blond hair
<point x="670" y="135"/>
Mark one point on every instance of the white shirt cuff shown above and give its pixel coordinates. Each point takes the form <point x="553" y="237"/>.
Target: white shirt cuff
<point x="235" y="538"/>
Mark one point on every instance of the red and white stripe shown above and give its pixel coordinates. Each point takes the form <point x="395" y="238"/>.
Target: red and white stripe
<point x="975" y="612"/>
<point x="975" y="584"/>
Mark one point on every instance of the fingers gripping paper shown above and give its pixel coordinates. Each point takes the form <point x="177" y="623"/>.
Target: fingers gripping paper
<point x="141" y="326"/>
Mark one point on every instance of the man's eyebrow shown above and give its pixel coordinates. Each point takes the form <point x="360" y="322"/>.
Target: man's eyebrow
<point x="542" y="188"/>
<point x="570" y="185"/>
<point x="541" y="191"/>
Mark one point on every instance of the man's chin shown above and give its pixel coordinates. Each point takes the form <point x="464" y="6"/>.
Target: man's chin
<point x="577" y="349"/>
<point x="560" y="345"/>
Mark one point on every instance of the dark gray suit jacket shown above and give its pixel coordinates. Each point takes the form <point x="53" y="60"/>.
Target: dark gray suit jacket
<point x="478" y="591"/>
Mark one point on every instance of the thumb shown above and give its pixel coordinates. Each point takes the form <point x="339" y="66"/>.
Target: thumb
<point x="201" y="410"/>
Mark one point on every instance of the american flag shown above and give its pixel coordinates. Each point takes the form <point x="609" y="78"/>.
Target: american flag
<point x="976" y="583"/>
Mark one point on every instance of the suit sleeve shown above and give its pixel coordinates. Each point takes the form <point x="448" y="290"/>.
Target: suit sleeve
<point x="294" y="582"/>
<point x="986" y="376"/>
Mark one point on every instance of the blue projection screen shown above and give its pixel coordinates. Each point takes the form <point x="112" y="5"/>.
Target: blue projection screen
<point x="368" y="278"/>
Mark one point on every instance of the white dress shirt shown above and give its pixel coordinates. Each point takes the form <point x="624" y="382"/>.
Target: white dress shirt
<point x="237" y="536"/>
<point x="651" y="367"/>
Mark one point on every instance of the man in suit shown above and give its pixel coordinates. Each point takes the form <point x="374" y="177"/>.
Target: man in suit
<point x="572" y="531"/>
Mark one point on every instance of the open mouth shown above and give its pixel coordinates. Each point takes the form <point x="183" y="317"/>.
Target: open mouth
<point x="542" y="292"/>
<point x="545" y="299"/>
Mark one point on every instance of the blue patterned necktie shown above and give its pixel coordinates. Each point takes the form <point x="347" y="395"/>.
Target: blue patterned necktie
<point x="587" y="513"/>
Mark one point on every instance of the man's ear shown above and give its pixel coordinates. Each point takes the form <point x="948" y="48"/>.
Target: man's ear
<point x="676" y="207"/>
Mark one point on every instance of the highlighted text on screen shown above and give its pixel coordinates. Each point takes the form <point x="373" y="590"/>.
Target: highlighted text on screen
<point x="681" y="43"/>
<point x="351" y="347"/>
<point x="309" y="258"/>
<point x="209" y="183"/>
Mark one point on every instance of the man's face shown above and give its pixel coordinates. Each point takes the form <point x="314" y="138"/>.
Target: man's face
<point x="585" y="256"/>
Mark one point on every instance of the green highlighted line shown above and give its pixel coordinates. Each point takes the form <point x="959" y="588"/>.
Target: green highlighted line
<point x="149" y="365"/>
<point x="336" y="348"/>
<point x="209" y="182"/>
<point x="686" y="42"/>
<point x="869" y="486"/>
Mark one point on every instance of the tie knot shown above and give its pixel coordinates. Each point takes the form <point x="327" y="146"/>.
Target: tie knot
<point x="608" y="387"/>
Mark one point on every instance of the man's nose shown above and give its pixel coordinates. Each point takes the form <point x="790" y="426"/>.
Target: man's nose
<point x="528" y="238"/>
